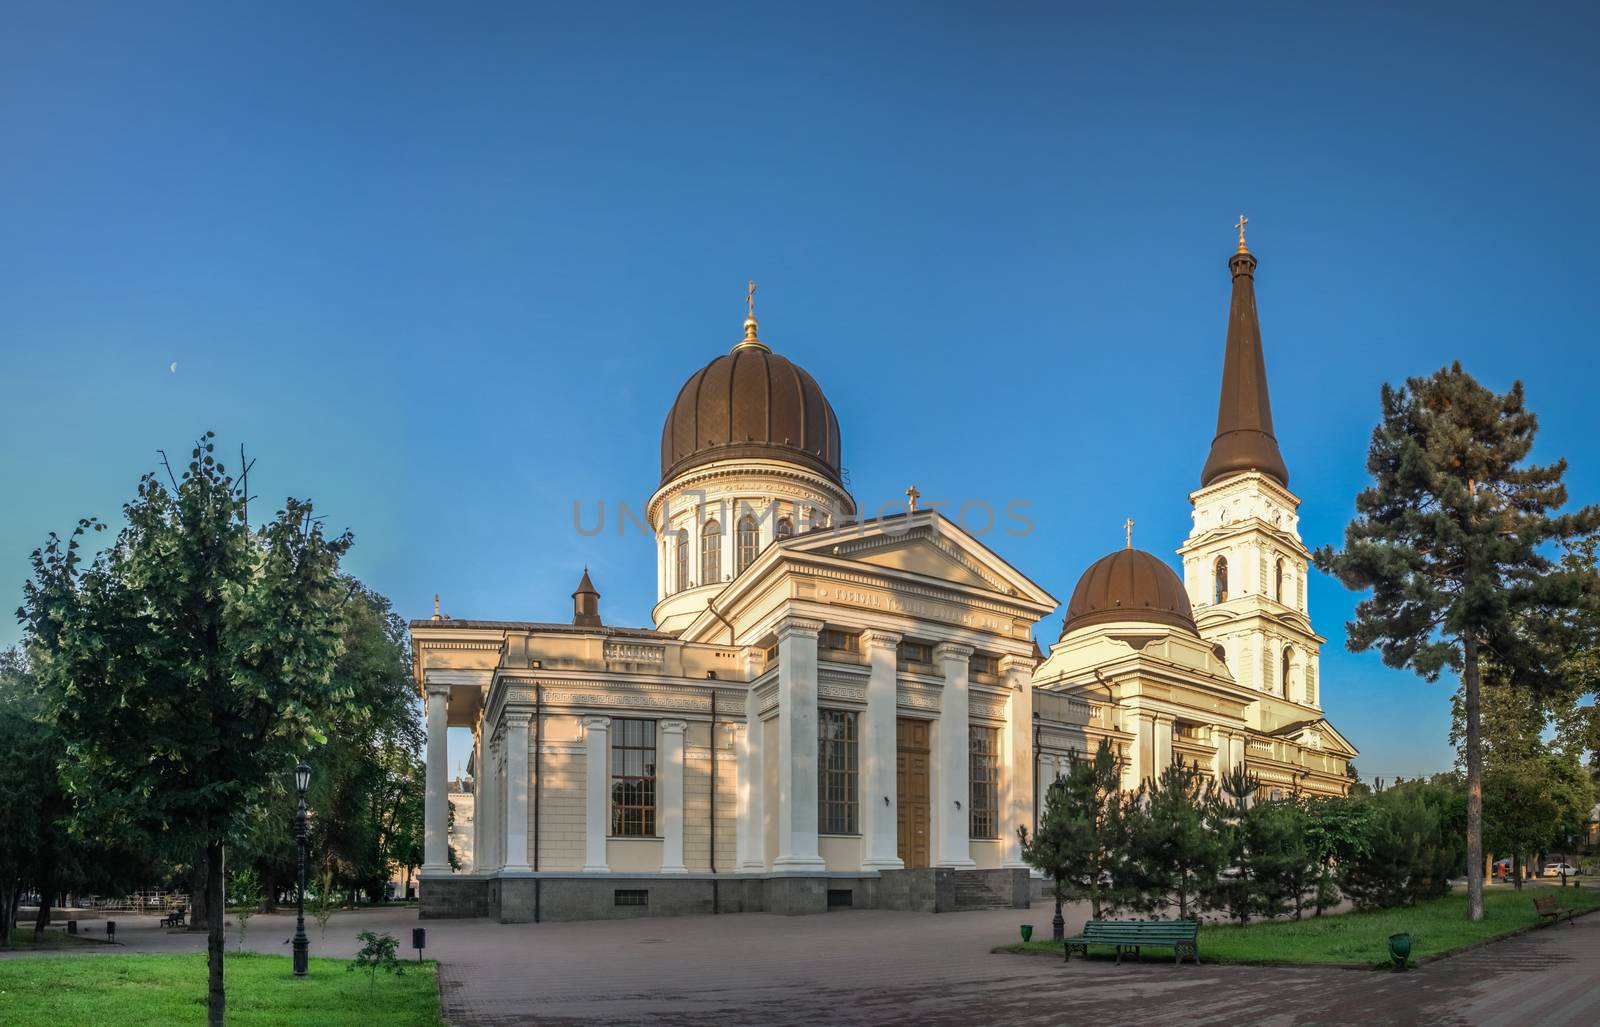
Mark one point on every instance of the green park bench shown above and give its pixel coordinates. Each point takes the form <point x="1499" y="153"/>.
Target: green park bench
<point x="1181" y="936"/>
<point x="1549" y="909"/>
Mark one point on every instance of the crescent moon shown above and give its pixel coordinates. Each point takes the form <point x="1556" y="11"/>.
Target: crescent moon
<point x="174" y="367"/>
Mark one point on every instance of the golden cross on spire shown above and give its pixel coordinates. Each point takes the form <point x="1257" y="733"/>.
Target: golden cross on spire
<point x="1127" y="526"/>
<point x="1240" y="226"/>
<point x="911" y="498"/>
<point x="750" y="298"/>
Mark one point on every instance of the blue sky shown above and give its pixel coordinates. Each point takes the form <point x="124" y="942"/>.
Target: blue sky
<point x="442" y="268"/>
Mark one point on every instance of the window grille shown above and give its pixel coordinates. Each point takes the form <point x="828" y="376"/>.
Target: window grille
<point x="748" y="543"/>
<point x="710" y="553"/>
<point x="633" y="778"/>
<point x="984" y="779"/>
<point x="838" y="772"/>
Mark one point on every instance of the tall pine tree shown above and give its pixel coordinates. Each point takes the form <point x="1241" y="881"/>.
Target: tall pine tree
<point x="1453" y="540"/>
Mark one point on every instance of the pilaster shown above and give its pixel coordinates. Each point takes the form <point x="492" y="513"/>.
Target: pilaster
<point x="597" y="782"/>
<point x="951" y="815"/>
<point x="797" y="745"/>
<point x="516" y="832"/>
<point x="1017" y="763"/>
<point x="669" y="797"/>
<point x="878" y="755"/>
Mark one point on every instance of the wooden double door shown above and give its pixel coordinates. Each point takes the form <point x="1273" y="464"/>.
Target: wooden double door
<point x="911" y="786"/>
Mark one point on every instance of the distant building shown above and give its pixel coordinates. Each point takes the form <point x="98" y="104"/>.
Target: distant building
<point x="830" y="710"/>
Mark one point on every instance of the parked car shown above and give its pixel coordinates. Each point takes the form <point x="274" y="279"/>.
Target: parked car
<point x="1557" y="869"/>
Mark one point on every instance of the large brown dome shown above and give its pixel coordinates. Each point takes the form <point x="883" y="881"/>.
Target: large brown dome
<point x="750" y="404"/>
<point x="1129" y="585"/>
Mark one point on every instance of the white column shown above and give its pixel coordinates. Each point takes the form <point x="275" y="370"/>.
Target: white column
<point x="797" y="746"/>
<point x="1017" y="744"/>
<point x="752" y="785"/>
<point x="494" y="817"/>
<point x="479" y="813"/>
<point x="436" y="802"/>
<point x="669" y="774"/>
<point x="1163" y="735"/>
<point x="878" y="799"/>
<point x="951" y="825"/>
<point x="517" y="790"/>
<point x="597" y="782"/>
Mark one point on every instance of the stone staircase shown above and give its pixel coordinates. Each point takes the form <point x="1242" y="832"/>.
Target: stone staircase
<point x="981" y="889"/>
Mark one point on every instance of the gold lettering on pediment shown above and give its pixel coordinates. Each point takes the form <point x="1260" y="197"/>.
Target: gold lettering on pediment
<point x="924" y="609"/>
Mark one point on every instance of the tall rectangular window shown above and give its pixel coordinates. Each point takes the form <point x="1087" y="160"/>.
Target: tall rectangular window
<point x="983" y="770"/>
<point x="838" y="772"/>
<point x="633" y="778"/>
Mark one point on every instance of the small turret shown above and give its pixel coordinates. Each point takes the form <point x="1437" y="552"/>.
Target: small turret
<point x="586" y="604"/>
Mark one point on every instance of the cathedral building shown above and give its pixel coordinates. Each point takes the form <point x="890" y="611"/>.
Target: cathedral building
<point x="833" y="711"/>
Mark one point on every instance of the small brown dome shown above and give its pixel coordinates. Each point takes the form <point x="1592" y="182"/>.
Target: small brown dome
<point x="1129" y="585"/>
<point x="750" y="404"/>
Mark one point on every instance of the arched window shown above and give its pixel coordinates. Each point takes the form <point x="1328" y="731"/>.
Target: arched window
<point x="748" y="543"/>
<point x="710" y="553"/>
<point x="681" y="563"/>
<point x="1277" y="580"/>
<point x="1288" y="661"/>
<point x="785" y="528"/>
<point x="1219" y="578"/>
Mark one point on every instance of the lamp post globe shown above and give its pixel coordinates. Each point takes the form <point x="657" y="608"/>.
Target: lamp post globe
<point x="301" y="944"/>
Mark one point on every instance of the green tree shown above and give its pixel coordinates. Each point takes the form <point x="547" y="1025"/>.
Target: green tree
<point x="1178" y="844"/>
<point x="1337" y="831"/>
<point x="244" y="891"/>
<point x="365" y="776"/>
<point x="1416" y="845"/>
<point x="1275" y="858"/>
<point x="1450" y="540"/>
<point x="189" y="665"/>
<point x="1081" y="841"/>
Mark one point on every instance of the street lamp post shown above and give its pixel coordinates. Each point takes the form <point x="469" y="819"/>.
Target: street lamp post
<point x="302" y="944"/>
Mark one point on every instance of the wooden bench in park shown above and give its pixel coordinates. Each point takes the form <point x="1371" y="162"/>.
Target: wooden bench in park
<point x="1181" y="936"/>
<point x="176" y="918"/>
<point x="1549" y="909"/>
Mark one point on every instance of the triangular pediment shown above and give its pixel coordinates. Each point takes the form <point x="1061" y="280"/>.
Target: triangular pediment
<point x="930" y="546"/>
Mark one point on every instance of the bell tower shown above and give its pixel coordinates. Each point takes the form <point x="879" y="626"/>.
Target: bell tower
<point x="1244" y="565"/>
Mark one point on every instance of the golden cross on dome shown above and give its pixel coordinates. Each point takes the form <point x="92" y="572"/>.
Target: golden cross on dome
<point x="750" y="298"/>
<point x="911" y="498"/>
<point x="1127" y="526"/>
<point x="1240" y="226"/>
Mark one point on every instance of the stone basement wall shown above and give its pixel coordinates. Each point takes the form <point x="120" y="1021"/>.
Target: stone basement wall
<point x="512" y="900"/>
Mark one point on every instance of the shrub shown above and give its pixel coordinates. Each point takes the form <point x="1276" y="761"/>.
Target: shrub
<point x="377" y="953"/>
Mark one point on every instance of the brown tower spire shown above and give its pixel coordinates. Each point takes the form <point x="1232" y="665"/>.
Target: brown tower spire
<point x="586" y="604"/>
<point x="1244" y="439"/>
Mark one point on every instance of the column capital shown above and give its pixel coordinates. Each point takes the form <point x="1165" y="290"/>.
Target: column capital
<point x="1016" y="665"/>
<point x="952" y="651"/>
<point x="874" y="639"/>
<point x="596" y="723"/>
<point x="517" y="718"/>
<point x="798" y="627"/>
<point x="438" y="688"/>
<point x="673" y="727"/>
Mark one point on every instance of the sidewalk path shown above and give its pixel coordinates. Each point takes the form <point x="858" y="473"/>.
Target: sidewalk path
<point x="868" y="967"/>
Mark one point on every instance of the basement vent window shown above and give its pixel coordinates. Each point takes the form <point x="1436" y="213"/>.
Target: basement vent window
<point x="631" y="896"/>
<point x="841" y="898"/>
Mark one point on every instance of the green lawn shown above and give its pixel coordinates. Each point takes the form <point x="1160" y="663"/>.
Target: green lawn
<point x="54" y="938"/>
<point x="1436" y="927"/>
<point x="124" y="991"/>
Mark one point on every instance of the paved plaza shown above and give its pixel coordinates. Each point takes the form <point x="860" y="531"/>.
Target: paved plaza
<point x="867" y="967"/>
